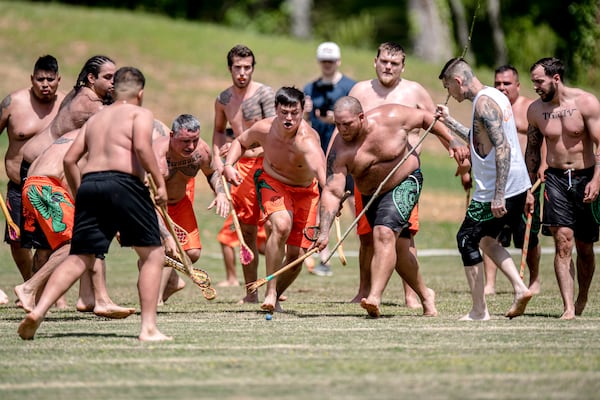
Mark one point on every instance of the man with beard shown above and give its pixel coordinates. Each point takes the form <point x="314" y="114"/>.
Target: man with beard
<point x="286" y="185"/>
<point x="24" y="113"/>
<point x="241" y="105"/>
<point x="568" y="119"/>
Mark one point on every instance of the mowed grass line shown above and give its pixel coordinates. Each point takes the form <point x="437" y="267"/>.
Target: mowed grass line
<point x="322" y="347"/>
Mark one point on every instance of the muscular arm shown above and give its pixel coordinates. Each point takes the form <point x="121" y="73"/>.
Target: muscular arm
<point x="4" y="112"/>
<point x="458" y="128"/>
<point x="71" y="159"/>
<point x="331" y="196"/>
<point x="590" y="109"/>
<point x="533" y="158"/>
<point x="143" y="124"/>
<point x="219" y="137"/>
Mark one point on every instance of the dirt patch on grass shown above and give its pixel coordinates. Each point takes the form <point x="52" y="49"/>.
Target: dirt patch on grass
<point x="441" y="207"/>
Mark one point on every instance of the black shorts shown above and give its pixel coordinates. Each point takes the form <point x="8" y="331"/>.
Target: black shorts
<point x="392" y="209"/>
<point x="564" y="206"/>
<point x="13" y="203"/>
<point x="479" y="222"/>
<point x="518" y="234"/>
<point x="108" y="202"/>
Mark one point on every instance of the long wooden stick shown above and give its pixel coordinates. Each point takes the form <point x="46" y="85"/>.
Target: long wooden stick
<point x="253" y="286"/>
<point x="246" y="255"/>
<point x="525" y="248"/>
<point x="13" y="229"/>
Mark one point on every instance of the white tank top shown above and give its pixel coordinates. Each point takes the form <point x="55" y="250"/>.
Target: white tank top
<point x="484" y="169"/>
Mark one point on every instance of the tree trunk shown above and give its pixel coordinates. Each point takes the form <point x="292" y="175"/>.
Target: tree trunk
<point x="300" y="16"/>
<point x="431" y="33"/>
<point x="461" y="27"/>
<point x="497" y="32"/>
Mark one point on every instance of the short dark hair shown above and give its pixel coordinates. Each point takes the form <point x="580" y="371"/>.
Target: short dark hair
<point x="551" y="66"/>
<point x="289" y="96"/>
<point x="239" y="51"/>
<point x="507" y="67"/>
<point x="46" y="63"/>
<point x="129" y="75"/>
<point x="450" y="66"/>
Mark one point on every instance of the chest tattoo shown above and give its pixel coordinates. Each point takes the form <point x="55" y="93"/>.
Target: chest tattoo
<point x="558" y="114"/>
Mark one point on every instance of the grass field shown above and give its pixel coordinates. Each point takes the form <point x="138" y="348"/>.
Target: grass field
<point x="322" y="347"/>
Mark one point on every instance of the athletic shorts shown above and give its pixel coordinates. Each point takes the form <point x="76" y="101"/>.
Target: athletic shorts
<point x="479" y="222"/>
<point x="564" y="206"/>
<point x="108" y="202"/>
<point x="182" y="214"/>
<point x="301" y="202"/>
<point x="14" y="205"/>
<point x="190" y="189"/>
<point x="228" y="236"/>
<point x="48" y="211"/>
<point x="363" y="227"/>
<point x="519" y="236"/>
<point x="244" y="195"/>
<point x="393" y="209"/>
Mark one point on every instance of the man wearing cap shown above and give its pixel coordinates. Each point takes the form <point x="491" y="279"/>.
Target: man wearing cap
<point x="321" y="95"/>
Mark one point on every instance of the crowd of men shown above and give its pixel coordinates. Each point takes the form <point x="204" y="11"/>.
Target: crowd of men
<point x="94" y="164"/>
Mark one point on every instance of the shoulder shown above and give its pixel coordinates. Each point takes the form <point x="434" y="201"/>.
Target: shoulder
<point x="15" y="98"/>
<point x="362" y="86"/>
<point x="225" y="96"/>
<point x="263" y="90"/>
<point x="586" y="102"/>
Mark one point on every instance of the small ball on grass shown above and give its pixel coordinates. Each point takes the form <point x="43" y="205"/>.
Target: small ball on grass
<point x="268" y="316"/>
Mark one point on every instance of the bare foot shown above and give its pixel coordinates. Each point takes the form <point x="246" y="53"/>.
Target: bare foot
<point x="412" y="302"/>
<point x="475" y="316"/>
<point x="282" y="297"/>
<point x="358" y="297"/>
<point x="568" y="315"/>
<point x="228" y="283"/>
<point x="518" y="306"/>
<point x="85" y="306"/>
<point x="580" y="305"/>
<point x="372" y="308"/>
<point x="25" y="297"/>
<point x="61" y="303"/>
<point x="29" y="326"/>
<point x="3" y="297"/>
<point x="250" y="298"/>
<point x="271" y="304"/>
<point x="172" y="287"/>
<point x="535" y="287"/>
<point x="113" y="311"/>
<point x="429" y="309"/>
<point x="489" y="290"/>
<point x="153" y="336"/>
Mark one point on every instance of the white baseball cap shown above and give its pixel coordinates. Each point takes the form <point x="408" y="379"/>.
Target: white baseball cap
<point x="328" y="51"/>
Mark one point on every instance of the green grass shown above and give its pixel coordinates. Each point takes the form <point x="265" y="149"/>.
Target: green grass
<point x="322" y="347"/>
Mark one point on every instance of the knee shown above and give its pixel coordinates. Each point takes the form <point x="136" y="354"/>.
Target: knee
<point x="468" y="249"/>
<point x="193" y="254"/>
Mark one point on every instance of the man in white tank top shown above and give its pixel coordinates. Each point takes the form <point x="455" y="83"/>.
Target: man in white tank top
<point x="501" y="183"/>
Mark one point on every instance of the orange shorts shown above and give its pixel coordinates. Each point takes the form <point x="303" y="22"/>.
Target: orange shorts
<point x="48" y="203"/>
<point x="183" y="216"/>
<point x="363" y="226"/>
<point x="228" y="236"/>
<point x="190" y="189"/>
<point x="301" y="202"/>
<point x="244" y="195"/>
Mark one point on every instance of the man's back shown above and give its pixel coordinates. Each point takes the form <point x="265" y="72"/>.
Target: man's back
<point x="112" y="135"/>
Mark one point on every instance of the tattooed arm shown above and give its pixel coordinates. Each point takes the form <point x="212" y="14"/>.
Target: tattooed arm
<point x="443" y="116"/>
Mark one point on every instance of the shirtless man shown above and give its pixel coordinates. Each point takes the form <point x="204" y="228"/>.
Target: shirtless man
<point x="111" y="197"/>
<point x="286" y="184"/>
<point x="568" y="119"/>
<point x="181" y="155"/>
<point x="24" y="113"/>
<point x="501" y="182"/>
<point x="48" y="210"/>
<point x="368" y="147"/>
<point x="388" y="88"/>
<point x="241" y="105"/>
<point x="506" y="80"/>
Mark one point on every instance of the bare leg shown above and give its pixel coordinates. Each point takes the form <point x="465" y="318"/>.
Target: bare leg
<point x="86" y="300"/>
<point x="408" y="268"/>
<point x="505" y="263"/>
<point x="479" y="311"/>
<point x="3" y="297"/>
<point x="23" y="259"/>
<point x="365" y="255"/>
<point x="534" y="256"/>
<point x="174" y="284"/>
<point x="152" y="259"/>
<point x="564" y="268"/>
<point x="586" y="265"/>
<point x="410" y="296"/>
<point x="103" y="304"/>
<point x="490" y="275"/>
<point x="250" y="270"/>
<point x="231" y="278"/>
<point x="281" y="225"/>
<point x="65" y="275"/>
<point x="28" y="291"/>
<point x="382" y="267"/>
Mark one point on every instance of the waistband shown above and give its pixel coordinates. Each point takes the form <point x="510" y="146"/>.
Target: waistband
<point x="571" y="172"/>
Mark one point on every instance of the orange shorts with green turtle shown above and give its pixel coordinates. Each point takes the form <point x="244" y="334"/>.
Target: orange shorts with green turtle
<point x="182" y="214"/>
<point x="301" y="202"/>
<point x="244" y="195"/>
<point x="47" y="205"/>
<point x="363" y="227"/>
